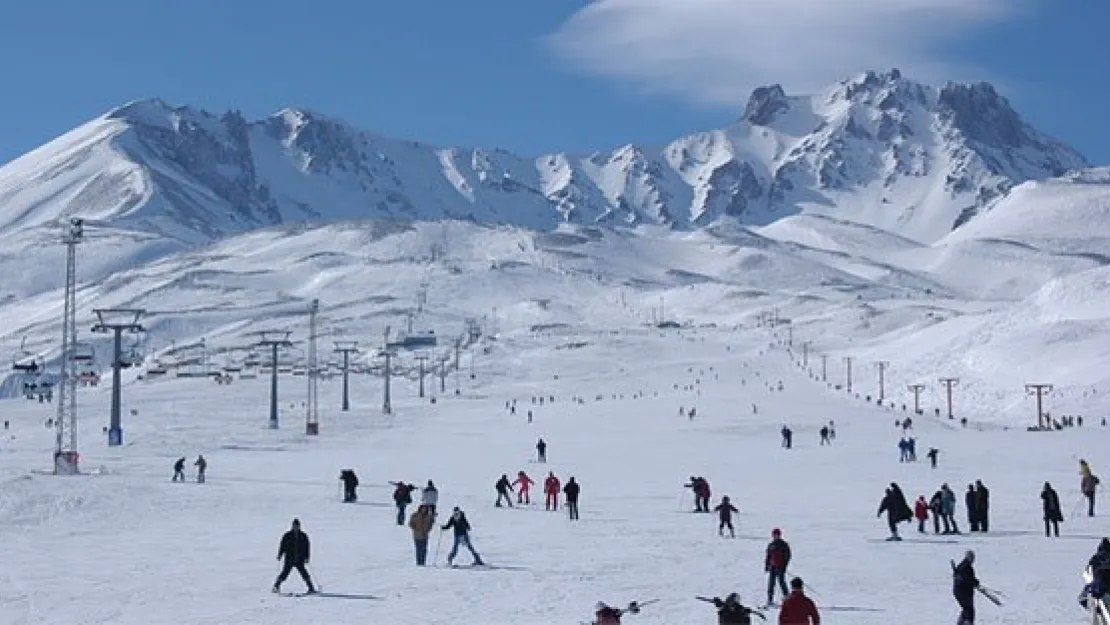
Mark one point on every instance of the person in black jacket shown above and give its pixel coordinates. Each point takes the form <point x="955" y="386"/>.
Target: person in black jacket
<point x="982" y="505"/>
<point x="402" y="497"/>
<point x="295" y="548"/>
<point x="935" y="505"/>
<point x="964" y="584"/>
<point x="896" y="508"/>
<point x="350" y="483"/>
<point x="1100" y="568"/>
<point x="504" y="488"/>
<point x="571" y="490"/>
<point x="541" y="446"/>
<point x="972" y="509"/>
<point x="724" y="511"/>
<point x="461" y="526"/>
<point x="1052" y="513"/>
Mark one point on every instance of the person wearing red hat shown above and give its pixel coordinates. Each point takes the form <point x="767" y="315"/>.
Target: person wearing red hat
<point x="775" y="563"/>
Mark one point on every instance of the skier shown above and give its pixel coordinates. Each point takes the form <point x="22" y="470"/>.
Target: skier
<point x="179" y="470"/>
<point x="725" y="510"/>
<point x="1052" y="513"/>
<point x="541" y="451"/>
<point x="896" y="508"/>
<point x="421" y="523"/>
<point x="936" y="505"/>
<point x="921" y="512"/>
<point x="948" y="509"/>
<point x="964" y="584"/>
<point x="775" y="563"/>
<point x="295" y="549"/>
<point x="982" y="505"/>
<point x="461" y="526"/>
<point x="731" y="612"/>
<point x="903" y="450"/>
<point x="932" y="455"/>
<point x="1088" y="485"/>
<point x="551" y="491"/>
<point x="504" y="487"/>
<point x="430" y="497"/>
<point x="350" y="483"/>
<point x="571" y="491"/>
<point x="972" y="508"/>
<point x="524" y="484"/>
<point x="797" y="608"/>
<point x="402" y="497"/>
<point x="701" y="493"/>
<point x="825" y="435"/>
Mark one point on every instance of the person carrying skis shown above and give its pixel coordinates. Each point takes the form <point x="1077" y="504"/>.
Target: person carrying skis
<point x="294" y="548"/>
<point x="1088" y="485"/>
<point x="179" y="470"/>
<point x="1050" y="502"/>
<point x="541" y="447"/>
<point x="797" y="608"/>
<point x="402" y="497"/>
<point x="202" y="465"/>
<point x="421" y="523"/>
<point x="964" y="584"/>
<point x="982" y="505"/>
<point x="724" y="511"/>
<point x="731" y="612"/>
<point x="524" y="484"/>
<point x="606" y="615"/>
<point x="571" y="491"/>
<point x="551" y="491"/>
<point x="921" y="513"/>
<point x="896" y="508"/>
<point x="429" y="497"/>
<point x="775" y="564"/>
<point x="350" y="483"/>
<point x="461" y="526"/>
<point x="504" y="487"/>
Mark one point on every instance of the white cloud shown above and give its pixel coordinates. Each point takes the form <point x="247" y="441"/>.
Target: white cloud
<point x="716" y="51"/>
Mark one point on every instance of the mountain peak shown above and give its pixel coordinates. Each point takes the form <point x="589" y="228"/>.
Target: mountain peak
<point x="764" y="104"/>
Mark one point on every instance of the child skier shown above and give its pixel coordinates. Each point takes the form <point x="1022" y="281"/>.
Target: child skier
<point x="524" y="484"/>
<point x="725" y="510"/>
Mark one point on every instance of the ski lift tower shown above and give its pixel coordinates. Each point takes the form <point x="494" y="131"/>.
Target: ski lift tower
<point x="312" y="416"/>
<point x="346" y="348"/>
<point x="65" y="447"/>
<point x="274" y="339"/>
<point x="117" y="321"/>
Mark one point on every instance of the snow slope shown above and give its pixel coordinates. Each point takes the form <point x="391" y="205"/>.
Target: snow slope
<point x="134" y="548"/>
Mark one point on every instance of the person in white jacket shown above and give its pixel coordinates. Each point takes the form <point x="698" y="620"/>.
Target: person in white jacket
<point x="430" y="497"/>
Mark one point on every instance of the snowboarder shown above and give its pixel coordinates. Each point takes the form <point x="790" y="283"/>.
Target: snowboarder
<point x="421" y="523"/>
<point x="921" y="513"/>
<point x="295" y="549"/>
<point x="430" y="497"/>
<point x="524" y="484"/>
<point x="179" y="470"/>
<point x="932" y="455"/>
<point x="350" y="483"/>
<point x="571" y="491"/>
<point x="701" y="493"/>
<point x="1088" y="485"/>
<point x="461" y="525"/>
<point x="551" y="492"/>
<point x="797" y="608"/>
<point x="825" y="435"/>
<point x="775" y="563"/>
<point x="402" y="497"/>
<point x="896" y="508"/>
<point x="982" y="505"/>
<point x="964" y="584"/>
<point x="541" y="451"/>
<point x="725" y="510"/>
<point x="202" y="465"/>
<point x="504" y="488"/>
<point x="948" y="509"/>
<point x="731" y="612"/>
<point x="1052" y="514"/>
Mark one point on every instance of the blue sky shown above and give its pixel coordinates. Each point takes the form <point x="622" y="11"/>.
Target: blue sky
<point x="530" y="75"/>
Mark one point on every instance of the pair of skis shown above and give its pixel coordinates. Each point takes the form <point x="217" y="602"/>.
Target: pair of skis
<point x="754" y="611"/>
<point x="993" y="596"/>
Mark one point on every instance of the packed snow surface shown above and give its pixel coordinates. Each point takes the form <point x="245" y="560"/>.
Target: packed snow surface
<point x="123" y="545"/>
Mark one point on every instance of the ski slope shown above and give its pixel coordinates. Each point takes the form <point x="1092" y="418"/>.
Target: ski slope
<point x="123" y="545"/>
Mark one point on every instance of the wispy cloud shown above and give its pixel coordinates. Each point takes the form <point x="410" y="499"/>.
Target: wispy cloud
<point x="715" y="51"/>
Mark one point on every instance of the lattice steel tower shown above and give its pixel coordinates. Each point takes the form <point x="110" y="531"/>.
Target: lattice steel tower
<point x="65" y="447"/>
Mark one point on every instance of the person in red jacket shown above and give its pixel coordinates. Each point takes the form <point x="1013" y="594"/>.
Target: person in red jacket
<point x="551" y="490"/>
<point x="523" y="484"/>
<point x="798" y="609"/>
<point x="921" y="512"/>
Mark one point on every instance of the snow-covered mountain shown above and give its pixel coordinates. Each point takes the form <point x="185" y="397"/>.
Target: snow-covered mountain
<point x="877" y="149"/>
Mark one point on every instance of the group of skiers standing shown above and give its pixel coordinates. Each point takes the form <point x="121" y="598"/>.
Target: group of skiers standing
<point x="179" y="469"/>
<point x="551" y="490"/>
